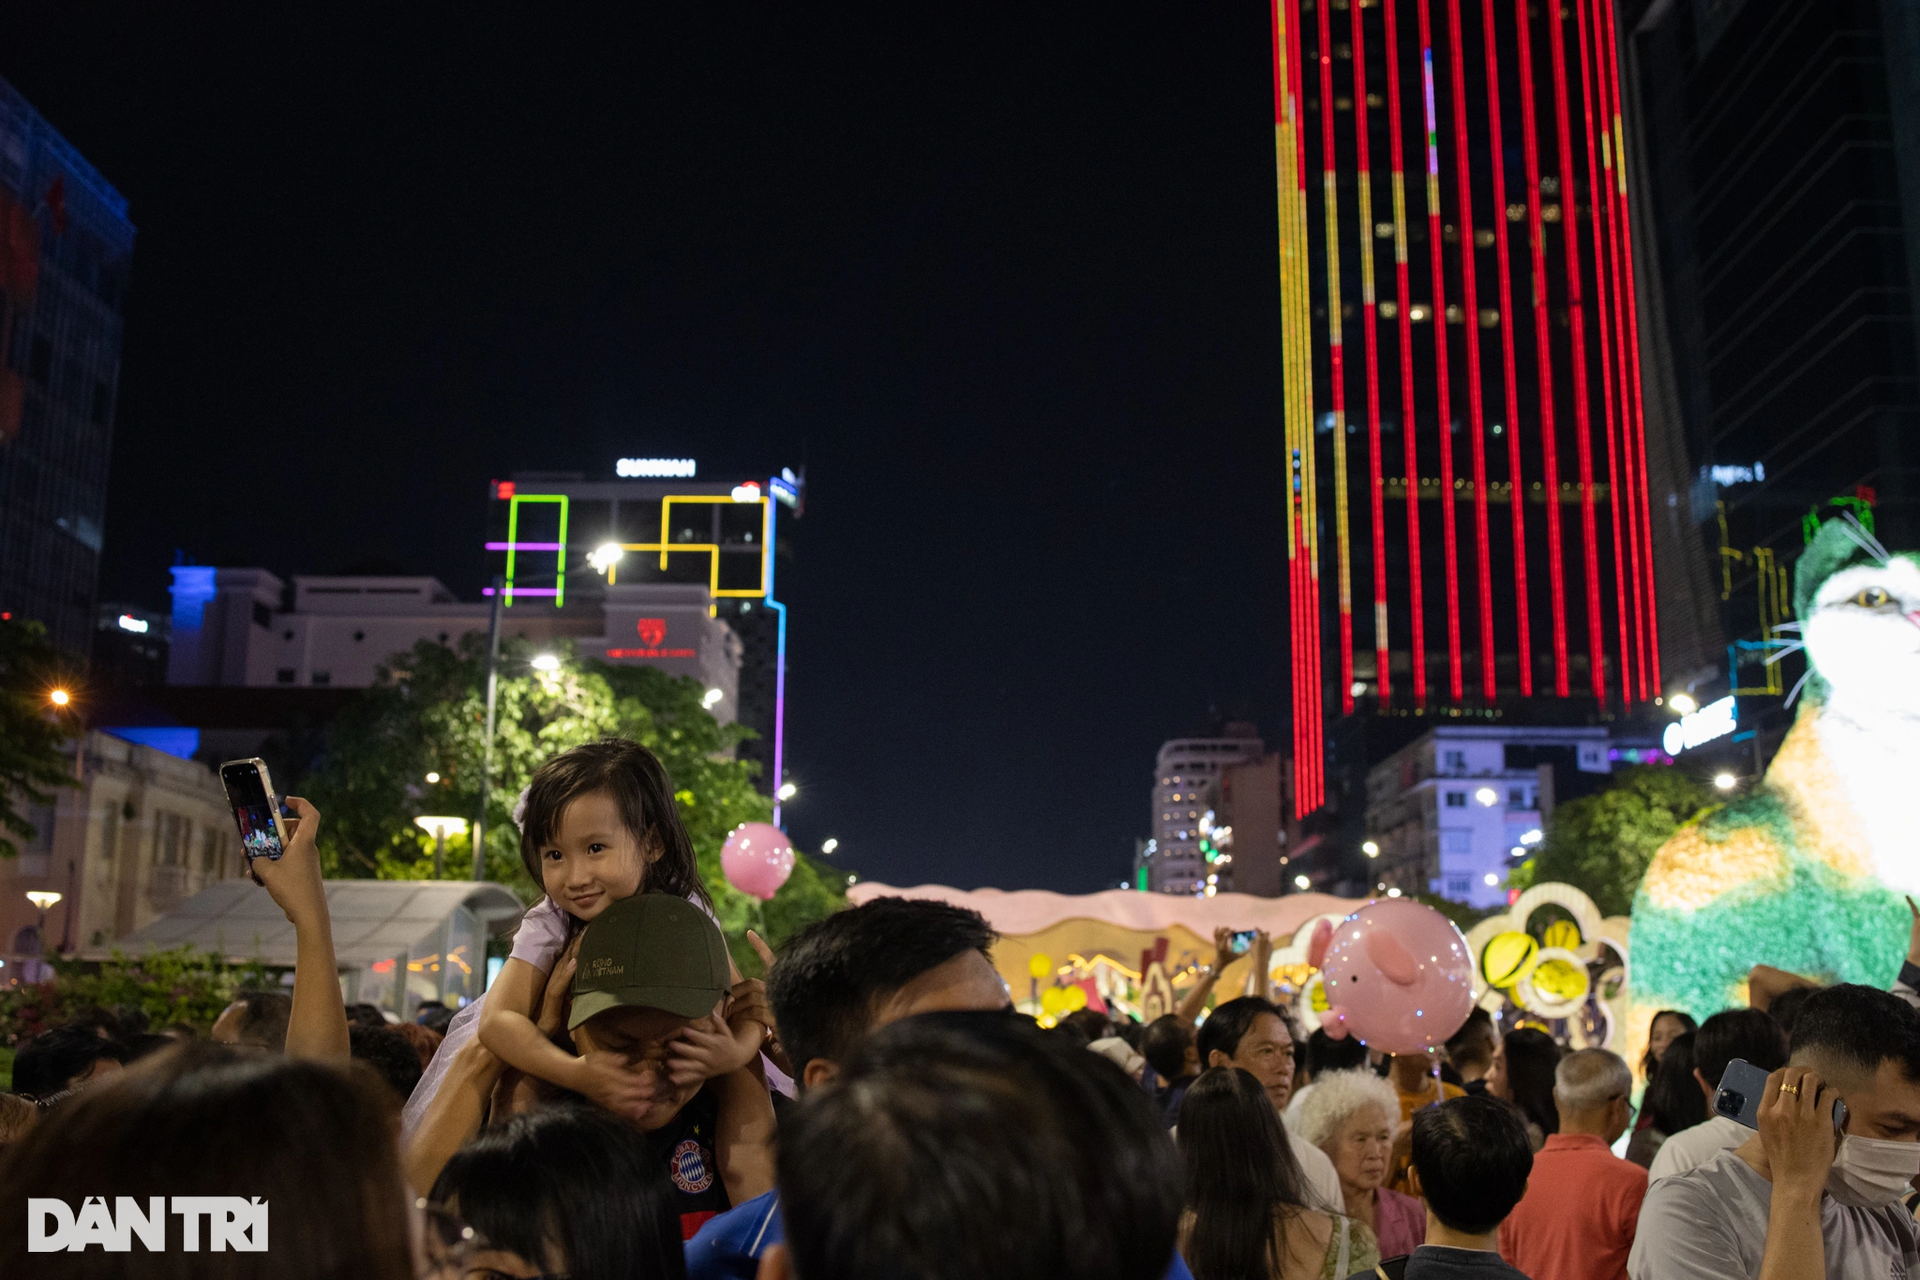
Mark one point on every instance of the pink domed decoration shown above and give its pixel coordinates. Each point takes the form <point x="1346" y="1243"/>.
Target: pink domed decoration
<point x="1398" y="975"/>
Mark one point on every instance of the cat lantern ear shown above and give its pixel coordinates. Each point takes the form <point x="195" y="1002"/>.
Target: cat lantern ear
<point x="1318" y="943"/>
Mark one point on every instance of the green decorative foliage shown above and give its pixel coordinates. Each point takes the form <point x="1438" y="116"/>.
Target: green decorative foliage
<point x="1601" y="844"/>
<point x="31" y="731"/>
<point x="1818" y="924"/>
<point x="427" y="714"/>
<point x="168" y="986"/>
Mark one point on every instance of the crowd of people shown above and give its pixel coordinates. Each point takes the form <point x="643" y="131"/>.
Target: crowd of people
<point x="623" y="1102"/>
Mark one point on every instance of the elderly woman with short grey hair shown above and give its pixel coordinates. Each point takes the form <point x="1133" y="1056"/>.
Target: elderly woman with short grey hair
<point x="1352" y="1115"/>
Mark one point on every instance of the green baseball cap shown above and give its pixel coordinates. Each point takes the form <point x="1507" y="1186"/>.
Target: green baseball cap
<point x="652" y="951"/>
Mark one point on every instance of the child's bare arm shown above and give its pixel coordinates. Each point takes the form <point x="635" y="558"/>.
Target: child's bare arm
<point x="743" y="1135"/>
<point x="453" y="1117"/>
<point x="711" y="1048"/>
<point x="507" y="1027"/>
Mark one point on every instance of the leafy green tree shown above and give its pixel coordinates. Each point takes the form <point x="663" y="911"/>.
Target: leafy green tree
<point x="31" y="730"/>
<point x="1601" y="844"/>
<point x="427" y="714"/>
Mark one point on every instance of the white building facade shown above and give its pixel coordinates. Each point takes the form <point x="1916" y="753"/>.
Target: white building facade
<point x="1179" y="858"/>
<point x="233" y="627"/>
<point x="1451" y="812"/>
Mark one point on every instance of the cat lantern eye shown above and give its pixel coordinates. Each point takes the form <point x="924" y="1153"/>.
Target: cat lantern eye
<point x="1872" y="598"/>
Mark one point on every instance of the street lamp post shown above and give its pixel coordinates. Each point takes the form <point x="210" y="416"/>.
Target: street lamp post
<point x="486" y="748"/>
<point x="440" y="828"/>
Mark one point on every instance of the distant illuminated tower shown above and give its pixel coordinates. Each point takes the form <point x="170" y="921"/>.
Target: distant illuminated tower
<point x="1180" y="858"/>
<point x="1487" y="320"/>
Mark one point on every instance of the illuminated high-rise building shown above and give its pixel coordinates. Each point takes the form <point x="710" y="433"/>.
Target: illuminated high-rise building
<point x="1782" y="146"/>
<point x="65" y="251"/>
<point x="562" y="541"/>
<point x="1469" y="503"/>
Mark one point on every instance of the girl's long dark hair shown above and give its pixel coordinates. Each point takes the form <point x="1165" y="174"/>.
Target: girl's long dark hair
<point x="1242" y="1178"/>
<point x="574" y="1177"/>
<point x="1647" y="1064"/>
<point x="1674" y="1101"/>
<point x="641" y="790"/>
<point x="1531" y="1058"/>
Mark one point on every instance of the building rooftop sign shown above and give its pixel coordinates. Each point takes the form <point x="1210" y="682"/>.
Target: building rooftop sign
<point x="656" y="468"/>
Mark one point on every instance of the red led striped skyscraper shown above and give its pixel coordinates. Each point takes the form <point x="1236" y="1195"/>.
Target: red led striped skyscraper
<point x="1465" y="438"/>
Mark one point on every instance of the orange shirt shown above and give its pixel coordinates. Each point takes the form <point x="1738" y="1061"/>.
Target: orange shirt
<point x="1577" y="1220"/>
<point x="1412" y="1102"/>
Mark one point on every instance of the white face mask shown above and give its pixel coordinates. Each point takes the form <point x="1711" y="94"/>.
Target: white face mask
<point x="1871" y="1172"/>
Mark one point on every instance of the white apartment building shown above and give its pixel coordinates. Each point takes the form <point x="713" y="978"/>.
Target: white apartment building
<point x="234" y="627"/>
<point x="1186" y="781"/>
<point x="1452" y="811"/>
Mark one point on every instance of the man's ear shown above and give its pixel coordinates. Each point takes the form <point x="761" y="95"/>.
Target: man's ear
<point x="1704" y="1086"/>
<point x="775" y="1264"/>
<point x="1215" y="1058"/>
<point x="819" y="1072"/>
<point x="1413" y="1183"/>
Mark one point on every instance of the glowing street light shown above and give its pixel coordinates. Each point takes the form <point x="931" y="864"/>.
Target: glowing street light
<point x="1683" y="703"/>
<point x="59" y="697"/>
<point x="787" y="791"/>
<point x="545" y="662"/>
<point x="1490" y="879"/>
<point x="605" y="556"/>
<point x="1725" y="781"/>
<point x="433" y="778"/>
<point x="712" y="698"/>
<point x="1301" y="882"/>
<point x="1487" y="796"/>
<point x="829" y="845"/>
<point x="1393" y="893"/>
<point x="440" y="829"/>
<point x="1371" y="849"/>
<point x="42" y="899"/>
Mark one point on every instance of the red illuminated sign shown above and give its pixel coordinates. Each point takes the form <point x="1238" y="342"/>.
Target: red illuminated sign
<point x="652" y="631"/>
<point x="503" y="489"/>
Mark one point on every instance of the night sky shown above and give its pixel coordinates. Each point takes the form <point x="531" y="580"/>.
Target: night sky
<point x="1002" y="278"/>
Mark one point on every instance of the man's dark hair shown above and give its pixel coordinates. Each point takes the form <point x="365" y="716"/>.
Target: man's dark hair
<point x="1785" y="1008"/>
<point x="572" y="1176"/>
<point x="829" y="978"/>
<point x="365" y="1015"/>
<point x="1050" y="1162"/>
<point x="1859" y="1026"/>
<point x="1228" y="1025"/>
<point x="1325" y="1054"/>
<point x="264" y="1024"/>
<point x="1089" y="1023"/>
<point x="436" y="1018"/>
<point x="43" y="1065"/>
<point x="389" y="1054"/>
<point x="1473" y="1157"/>
<point x="1165" y="1046"/>
<point x="1473" y="1044"/>
<point x="1738" y="1033"/>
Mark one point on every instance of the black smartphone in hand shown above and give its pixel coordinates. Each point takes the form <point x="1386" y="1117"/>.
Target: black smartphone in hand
<point x="256" y="810"/>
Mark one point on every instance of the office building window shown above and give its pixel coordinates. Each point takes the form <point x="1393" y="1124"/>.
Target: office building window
<point x="1455" y="799"/>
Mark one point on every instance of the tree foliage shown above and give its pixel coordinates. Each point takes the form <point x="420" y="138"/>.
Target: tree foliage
<point x="426" y="713"/>
<point x="1601" y="844"/>
<point x="183" y="985"/>
<point x="30" y="732"/>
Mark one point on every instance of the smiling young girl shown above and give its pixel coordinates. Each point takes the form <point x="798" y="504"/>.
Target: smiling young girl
<point x="598" y="824"/>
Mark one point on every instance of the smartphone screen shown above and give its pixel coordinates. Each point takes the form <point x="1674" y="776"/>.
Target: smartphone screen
<point x="252" y="808"/>
<point x="1243" y="941"/>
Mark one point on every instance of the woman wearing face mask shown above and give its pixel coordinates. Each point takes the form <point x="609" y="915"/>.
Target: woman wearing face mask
<point x="1798" y="1199"/>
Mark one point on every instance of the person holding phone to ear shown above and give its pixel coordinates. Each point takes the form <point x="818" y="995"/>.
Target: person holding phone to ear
<point x="1798" y="1200"/>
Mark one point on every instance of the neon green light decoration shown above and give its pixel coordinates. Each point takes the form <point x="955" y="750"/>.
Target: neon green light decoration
<point x="560" y="555"/>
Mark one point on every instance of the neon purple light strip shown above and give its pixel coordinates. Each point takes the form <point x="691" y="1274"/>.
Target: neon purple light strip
<point x="525" y="546"/>
<point x="526" y="591"/>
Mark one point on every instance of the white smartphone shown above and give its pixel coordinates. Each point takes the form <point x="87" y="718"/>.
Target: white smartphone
<point x="255" y="808"/>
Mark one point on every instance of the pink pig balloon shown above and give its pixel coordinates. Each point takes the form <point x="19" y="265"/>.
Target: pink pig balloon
<point x="757" y="859"/>
<point x="1397" y="975"/>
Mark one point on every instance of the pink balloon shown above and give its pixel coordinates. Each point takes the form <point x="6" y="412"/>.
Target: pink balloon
<point x="757" y="859"/>
<point x="1398" y="976"/>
